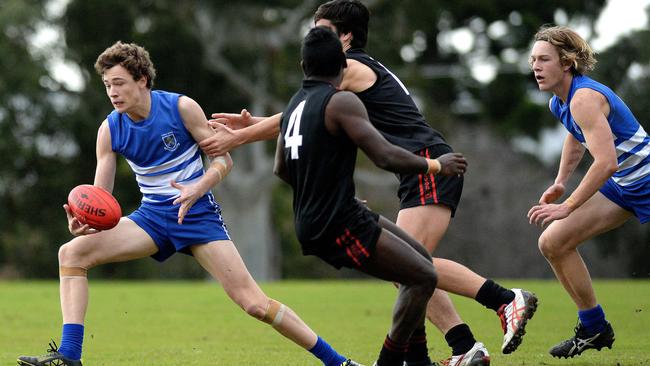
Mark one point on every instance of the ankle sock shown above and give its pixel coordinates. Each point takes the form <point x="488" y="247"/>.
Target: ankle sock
<point x="324" y="352"/>
<point x="593" y="320"/>
<point x="460" y="339"/>
<point x="392" y="353"/>
<point x="492" y="295"/>
<point x="417" y="349"/>
<point x="72" y="341"/>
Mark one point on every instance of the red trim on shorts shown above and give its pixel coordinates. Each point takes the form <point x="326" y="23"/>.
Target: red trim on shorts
<point x="357" y="243"/>
<point x="352" y="246"/>
<point x="349" y="253"/>
<point x="422" y="200"/>
<point x="433" y="183"/>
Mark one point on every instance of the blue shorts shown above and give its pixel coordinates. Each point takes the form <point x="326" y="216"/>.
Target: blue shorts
<point x="634" y="198"/>
<point x="201" y="225"/>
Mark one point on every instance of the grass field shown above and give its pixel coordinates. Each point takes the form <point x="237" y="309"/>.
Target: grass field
<point x="194" y="323"/>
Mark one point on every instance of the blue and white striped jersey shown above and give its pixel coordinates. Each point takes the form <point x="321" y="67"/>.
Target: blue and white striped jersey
<point x="630" y="139"/>
<point x="159" y="149"/>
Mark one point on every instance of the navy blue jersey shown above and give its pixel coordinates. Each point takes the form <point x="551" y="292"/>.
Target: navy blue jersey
<point x="319" y="166"/>
<point x="392" y="110"/>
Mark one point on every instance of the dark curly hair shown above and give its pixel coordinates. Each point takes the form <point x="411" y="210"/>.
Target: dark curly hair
<point x="135" y="59"/>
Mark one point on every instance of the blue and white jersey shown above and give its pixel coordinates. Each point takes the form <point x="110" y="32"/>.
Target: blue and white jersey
<point x="159" y="149"/>
<point x="630" y="139"/>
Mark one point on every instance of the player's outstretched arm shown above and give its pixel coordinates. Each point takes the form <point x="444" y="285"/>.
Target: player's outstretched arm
<point x="235" y="121"/>
<point x="227" y="138"/>
<point x="345" y="113"/>
<point x="196" y="123"/>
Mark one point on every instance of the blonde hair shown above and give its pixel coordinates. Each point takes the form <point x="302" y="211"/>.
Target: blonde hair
<point x="572" y="48"/>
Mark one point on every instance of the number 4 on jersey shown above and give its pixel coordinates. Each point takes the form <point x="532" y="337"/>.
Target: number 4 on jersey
<point x="293" y="138"/>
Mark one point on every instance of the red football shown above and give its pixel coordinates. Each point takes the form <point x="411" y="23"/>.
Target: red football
<point x="94" y="206"/>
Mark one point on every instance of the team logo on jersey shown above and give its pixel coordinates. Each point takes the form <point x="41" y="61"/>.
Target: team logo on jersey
<point x="170" y="141"/>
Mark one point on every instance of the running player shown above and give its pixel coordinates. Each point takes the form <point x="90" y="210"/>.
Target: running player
<point x="156" y="131"/>
<point x="316" y="154"/>
<point x="615" y="187"/>
<point x="427" y="203"/>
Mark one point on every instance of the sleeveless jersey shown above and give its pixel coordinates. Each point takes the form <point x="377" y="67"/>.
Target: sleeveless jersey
<point x="630" y="139"/>
<point x="320" y="166"/>
<point x="158" y="149"/>
<point x="392" y="110"/>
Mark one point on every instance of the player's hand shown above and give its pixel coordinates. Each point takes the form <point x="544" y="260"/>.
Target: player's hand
<point x="75" y="226"/>
<point x="188" y="197"/>
<point x="224" y="140"/>
<point x="452" y="164"/>
<point x="542" y="215"/>
<point x="233" y="120"/>
<point x="552" y="193"/>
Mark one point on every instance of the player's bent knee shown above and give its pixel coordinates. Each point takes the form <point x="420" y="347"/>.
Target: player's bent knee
<point x="550" y="248"/>
<point x="66" y="255"/>
<point x="274" y="312"/>
<point x="70" y="256"/>
<point x="429" y="276"/>
<point x="431" y="282"/>
<point x="426" y="283"/>
<point x="255" y="310"/>
<point x="545" y="247"/>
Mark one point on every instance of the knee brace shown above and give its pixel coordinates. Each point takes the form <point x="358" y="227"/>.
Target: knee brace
<point x="72" y="272"/>
<point x="274" y="313"/>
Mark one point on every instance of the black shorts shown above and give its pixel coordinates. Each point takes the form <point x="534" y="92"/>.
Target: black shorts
<point x="349" y="245"/>
<point x="428" y="189"/>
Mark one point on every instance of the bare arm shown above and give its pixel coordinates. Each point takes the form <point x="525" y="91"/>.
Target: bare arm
<point x="357" y="77"/>
<point x="279" y="167"/>
<point x="196" y="123"/>
<point x="590" y="110"/>
<point x="264" y="129"/>
<point x="234" y="120"/>
<point x="104" y="176"/>
<point x="106" y="159"/>
<point x="226" y="138"/>
<point x="572" y="152"/>
<point x="346" y="114"/>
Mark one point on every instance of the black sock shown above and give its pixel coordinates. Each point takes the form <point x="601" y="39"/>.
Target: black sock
<point x="392" y="354"/>
<point x="417" y="350"/>
<point x="460" y="339"/>
<point x="492" y="295"/>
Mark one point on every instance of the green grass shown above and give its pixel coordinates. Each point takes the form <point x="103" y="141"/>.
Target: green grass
<point x="194" y="323"/>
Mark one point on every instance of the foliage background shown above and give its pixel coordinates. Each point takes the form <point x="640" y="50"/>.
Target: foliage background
<point x="232" y="55"/>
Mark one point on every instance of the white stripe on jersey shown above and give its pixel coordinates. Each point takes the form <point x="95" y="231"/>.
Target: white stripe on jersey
<point x="160" y="184"/>
<point x="138" y="170"/>
<point x="164" y="191"/>
<point x="633" y="177"/>
<point x="633" y="160"/>
<point x="629" y="144"/>
<point x="155" y="184"/>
